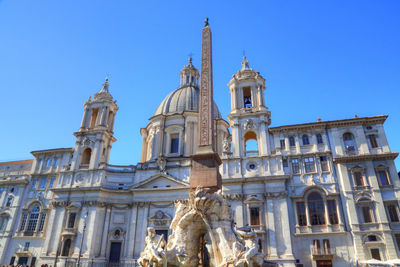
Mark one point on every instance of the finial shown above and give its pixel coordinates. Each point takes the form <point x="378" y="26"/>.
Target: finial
<point x="190" y="60"/>
<point x="206" y="22"/>
<point x="319" y="119"/>
<point x="107" y="79"/>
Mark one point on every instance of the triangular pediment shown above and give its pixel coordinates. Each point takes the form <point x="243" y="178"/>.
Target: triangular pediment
<point x="160" y="181"/>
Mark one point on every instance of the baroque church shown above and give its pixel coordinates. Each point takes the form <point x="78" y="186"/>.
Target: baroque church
<point x="322" y="193"/>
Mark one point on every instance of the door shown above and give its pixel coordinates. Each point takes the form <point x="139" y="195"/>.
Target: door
<point x="115" y="252"/>
<point x="324" y="263"/>
<point x="23" y="261"/>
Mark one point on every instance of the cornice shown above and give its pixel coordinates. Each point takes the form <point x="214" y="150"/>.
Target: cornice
<point x="14" y="181"/>
<point x="380" y="119"/>
<point x="365" y="157"/>
<point x="54" y="150"/>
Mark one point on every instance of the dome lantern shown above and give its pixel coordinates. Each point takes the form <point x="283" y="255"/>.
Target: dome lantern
<point x="189" y="75"/>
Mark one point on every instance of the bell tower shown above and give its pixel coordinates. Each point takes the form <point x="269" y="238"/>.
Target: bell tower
<point x="95" y="136"/>
<point x="249" y="117"/>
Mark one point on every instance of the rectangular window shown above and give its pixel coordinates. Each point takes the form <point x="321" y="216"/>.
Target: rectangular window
<point x="397" y="238"/>
<point x="375" y="254"/>
<point x="393" y="212"/>
<point x="358" y="179"/>
<point x="372" y="140"/>
<point x="93" y="119"/>
<point x="254" y="216"/>
<point x="319" y="139"/>
<point x="33" y="261"/>
<point x="23" y="222"/>
<point x="383" y="178"/>
<point x="34" y="182"/>
<point x="12" y="260"/>
<point x="285" y="163"/>
<point x="247" y="97"/>
<point x="163" y="232"/>
<point x="56" y="160"/>
<point x="332" y="211"/>
<point x="317" y="247"/>
<point x="3" y="222"/>
<point x="301" y="214"/>
<point x="367" y="214"/>
<point x="295" y="166"/>
<point x="41" y="222"/>
<point x="48" y="163"/>
<point x="51" y="183"/>
<point x="283" y="144"/>
<point x="71" y="220"/>
<point x="324" y="163"/>
<point x="174" y="143"/>
<point x="26" y="247"/>
<point x="42" y="183"/>
<point x="327" y="246"/>
<point x="309" y="164"/>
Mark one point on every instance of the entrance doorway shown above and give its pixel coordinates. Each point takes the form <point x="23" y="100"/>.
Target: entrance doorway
<point x="115" y="252"/>
<point x="23" y="261"/>
<point x="324" y="263"/>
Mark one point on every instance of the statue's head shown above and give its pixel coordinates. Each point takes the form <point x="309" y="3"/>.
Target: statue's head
<point x="151" y="231"/>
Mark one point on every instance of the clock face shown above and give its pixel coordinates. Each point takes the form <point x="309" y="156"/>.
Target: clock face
<point x="159" y="215"/>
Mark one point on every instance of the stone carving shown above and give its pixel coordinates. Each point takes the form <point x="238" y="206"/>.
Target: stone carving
<point x="249" y="124"/>
<point x="160" y="218"/>
<point x="87" y="142"/>
<point x="162" y="163"/>
<point x="154" y="253"/>
<point x="227" y="145"/>
<point x="246" y="248"/>
<point x="276" y="195"/>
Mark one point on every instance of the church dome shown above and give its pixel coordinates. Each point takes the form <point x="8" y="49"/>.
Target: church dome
<point x="185" y="98"/>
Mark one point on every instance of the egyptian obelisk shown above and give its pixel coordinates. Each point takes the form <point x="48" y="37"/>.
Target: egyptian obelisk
<point x="205" y="171"/>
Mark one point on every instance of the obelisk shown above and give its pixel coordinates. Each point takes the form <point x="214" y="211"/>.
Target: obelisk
<point x="205" y="171"/>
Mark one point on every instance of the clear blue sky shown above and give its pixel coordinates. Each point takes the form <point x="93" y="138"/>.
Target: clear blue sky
<point x="328" y="59"/>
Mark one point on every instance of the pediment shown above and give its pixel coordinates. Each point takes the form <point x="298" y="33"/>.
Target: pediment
<point x="160" y="181"/>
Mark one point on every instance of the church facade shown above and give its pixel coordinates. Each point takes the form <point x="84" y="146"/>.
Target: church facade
<point x="324" y="193"/>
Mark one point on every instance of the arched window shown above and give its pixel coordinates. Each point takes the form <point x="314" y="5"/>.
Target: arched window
<point x="349" y="144"/>
<point x="316" y="209"/>
<point x="292" y="142"/>
<point x="87" y="154"/>
<point x="33" y="219"/>
<point x="3" y="222"/>
<point x="305" y="139"/>
<point x="9" y="201"/>
<point x="251" y="145"/>
<point x="319" y="139"/>
<point x="66" y="248"/>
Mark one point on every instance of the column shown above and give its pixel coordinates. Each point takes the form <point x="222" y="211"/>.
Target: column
<point x="132" y="231"/>
<point x="296" y="139"/>
<point x="236" y="144"/>
<point x="271" y="228"/>
<point x="285" y="226"/>
<point x="50" y="225"/>
<point x="84" y="118"/>
<point x="104" y="237"/>
<point x="78" y="239"/>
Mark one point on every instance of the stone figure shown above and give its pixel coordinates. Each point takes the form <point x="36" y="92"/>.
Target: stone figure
<point x="246" y="249"/>
<point x="162" y="163"/>
<point x="153" y="254"/>
<point x="227" y="145"/>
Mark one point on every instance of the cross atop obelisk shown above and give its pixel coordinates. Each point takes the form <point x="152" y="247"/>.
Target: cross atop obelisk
<point x="205" y="171"/>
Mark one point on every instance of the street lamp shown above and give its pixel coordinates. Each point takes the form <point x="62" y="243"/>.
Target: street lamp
<point x="83" y="236"/>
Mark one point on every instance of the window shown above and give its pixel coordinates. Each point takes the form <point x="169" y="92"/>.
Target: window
<point x="349" y="144"/>
<point x="187" y="80"/>
<point x="66" y="248"/>
<point x="372" y="140"/>
<point x="33" y="219"/>
<point x="12" y="260"/>
<point x="48" y="163"/>
<point x="309" y="164"/>
<point x="51" y="183"/>
<point x="292" y="142"/>
<point x="26" y="246"/>
<point x="367" y="214"/>
<point x="285" y="163"/>
<point x="332" y="212"/>
<point x="42" y="183"/>
<point x="163" y="232"/>
<point x="383" y="178"/>
<point x="87" y="154"/>
<point x="301" y="214"/>
<point x="319" y="139"/>
<point x="23" y="222"/>
<point x="71" y="220"/>
<point x="305" y="139"/>
<point x="372" y="238"/>
<point x="174" y="147"/>
<point x="93" y="119"/>
<point x="295" y="166"/>
<point x="9" y="201"/>
<point x="33" y="261"/>
<point x="41" y="222"/>
<point x="34" y="181"/>
<point x="56" y="161"/>
<point x="247" y="97"/>
<point x="316" y="209"/>
<point x="393" y="213"/>
<point x="397" y="238"/>
<point x="251" y="145"/>
<point x="324" y="163"/>
<point x="254" y="216"/>
<point x="317" y="247"/>
<point x="375" y="254"/>
<point x="358" y="179"/>
<point x="327" y="246"/>
<point x="39" y="163"/>
<point x="3" y="223"/>
<point x="282" y="143"/>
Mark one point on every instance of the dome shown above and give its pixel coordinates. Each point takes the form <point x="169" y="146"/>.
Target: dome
<point x="182" y="99"/>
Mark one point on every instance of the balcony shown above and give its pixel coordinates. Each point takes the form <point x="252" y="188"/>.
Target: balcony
<point x="69" y="232"/>
<point x="252" y="153"/>
<point x="323" y="254"/>
<point x="22" y="252"/>
<point x="350" y="150"/>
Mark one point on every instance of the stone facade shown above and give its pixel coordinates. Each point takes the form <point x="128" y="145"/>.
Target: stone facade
<point x="313" y="193"/>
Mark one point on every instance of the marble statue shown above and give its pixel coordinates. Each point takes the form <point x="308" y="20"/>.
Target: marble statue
<point x="153" y="254"/>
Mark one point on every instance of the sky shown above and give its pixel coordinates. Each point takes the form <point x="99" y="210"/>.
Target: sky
<point x="328" y="59"/>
